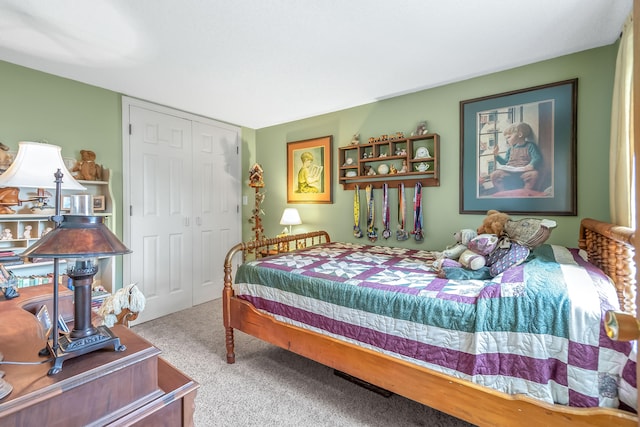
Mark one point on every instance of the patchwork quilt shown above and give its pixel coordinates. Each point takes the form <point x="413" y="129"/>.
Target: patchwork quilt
<point x="536" y="329"/>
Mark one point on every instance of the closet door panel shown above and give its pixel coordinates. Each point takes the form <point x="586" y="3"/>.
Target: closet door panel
<point x="161" y="209"/>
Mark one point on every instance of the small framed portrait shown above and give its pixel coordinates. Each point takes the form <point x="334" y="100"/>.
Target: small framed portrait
<point x="309" y="171"/>
<point x="98" y="203"/>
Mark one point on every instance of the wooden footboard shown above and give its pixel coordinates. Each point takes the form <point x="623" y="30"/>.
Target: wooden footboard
<point x="460" y="398"/>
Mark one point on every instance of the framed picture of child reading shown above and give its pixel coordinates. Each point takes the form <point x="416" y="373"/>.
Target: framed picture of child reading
<point x="309" y="171"/>
<point x="518" y="151"/>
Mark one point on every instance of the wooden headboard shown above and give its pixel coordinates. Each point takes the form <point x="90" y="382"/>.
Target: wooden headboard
<point x="611" y="247"/>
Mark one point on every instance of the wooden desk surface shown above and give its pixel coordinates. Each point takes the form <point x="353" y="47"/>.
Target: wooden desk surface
<point x="96" y="388"/>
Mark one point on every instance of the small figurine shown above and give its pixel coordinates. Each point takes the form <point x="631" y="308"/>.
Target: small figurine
<point x="421" y="129"/>
<point x="404" y="168"/>
<point x="46" y="231"/>
<point x="356" y="139"/>
<point x="6" y="234"/>
<point x="27" y="232"/>
<point x="393" y="170"/>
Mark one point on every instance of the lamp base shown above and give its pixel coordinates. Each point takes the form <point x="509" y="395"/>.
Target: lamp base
<point x="69" y="348"/>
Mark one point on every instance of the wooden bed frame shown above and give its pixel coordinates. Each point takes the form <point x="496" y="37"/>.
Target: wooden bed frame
<point x="608" y="246"/>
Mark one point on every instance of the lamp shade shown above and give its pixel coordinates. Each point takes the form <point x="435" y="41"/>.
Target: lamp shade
<point x="77" y="236"/>
<point x="34" y="167"/>
<point x="290" y="216"/>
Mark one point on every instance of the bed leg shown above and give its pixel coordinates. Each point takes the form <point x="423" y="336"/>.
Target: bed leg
<point x="231" y="356"/>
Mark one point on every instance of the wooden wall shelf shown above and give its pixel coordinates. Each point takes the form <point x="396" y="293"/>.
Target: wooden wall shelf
<point x="394" y="153"/>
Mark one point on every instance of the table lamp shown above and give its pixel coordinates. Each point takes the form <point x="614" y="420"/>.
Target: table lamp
<point x="39" y="165"/>
<point x="290" y="217"/>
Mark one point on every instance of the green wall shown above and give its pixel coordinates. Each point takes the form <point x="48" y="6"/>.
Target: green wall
<point x="39" y="106"/>
<point x="36" y="106"/>
<point x="440" y="107"/>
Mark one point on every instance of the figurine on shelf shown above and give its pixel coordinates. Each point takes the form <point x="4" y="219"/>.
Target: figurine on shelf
<point x="421" y="129"/>
<point x="393" y="170"/>
<point x="6" y="158"/>
<point x="46" y="231"/>
<point x="6" y="234"/>
<point x="27" y="232"/>
<point x="404" y="168"/>
<point x="356" y="139"/>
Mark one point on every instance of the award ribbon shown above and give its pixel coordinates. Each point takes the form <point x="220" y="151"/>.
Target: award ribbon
<point x="356" y="213"/>
<point x="372" y="231"/>
<point x="401" y="234"/>
<point x="385" y="212"/>
<point x="417" y="214"/>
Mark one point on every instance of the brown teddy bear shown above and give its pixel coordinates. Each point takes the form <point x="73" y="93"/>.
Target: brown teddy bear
<point x="87" y="168"/>
<point x="493" y="223"/>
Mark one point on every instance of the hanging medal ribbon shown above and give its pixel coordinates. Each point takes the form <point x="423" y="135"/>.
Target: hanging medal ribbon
<point x="356" y="213"/>
<point x="385" y="211"/>
<point x="417" y="214"/>
<point x="401" y="234"/>
<point x="372" y="231"/>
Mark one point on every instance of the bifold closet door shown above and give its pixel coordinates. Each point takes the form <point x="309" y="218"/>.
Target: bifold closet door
<point x="161" y="224"/>
<point x="216" y="205"/>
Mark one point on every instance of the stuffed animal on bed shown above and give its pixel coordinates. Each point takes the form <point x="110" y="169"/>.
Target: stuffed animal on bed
<point x="481" y="246"/>
<point x="501" y="243"/>
<point x="493" y="223"/>
<point x="462" y="238"/>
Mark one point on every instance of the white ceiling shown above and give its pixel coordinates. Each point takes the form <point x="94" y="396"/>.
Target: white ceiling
<point x="258" y="63"/>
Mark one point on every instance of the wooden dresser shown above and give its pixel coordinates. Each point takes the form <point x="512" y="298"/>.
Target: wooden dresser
<point x="133" y="387"/>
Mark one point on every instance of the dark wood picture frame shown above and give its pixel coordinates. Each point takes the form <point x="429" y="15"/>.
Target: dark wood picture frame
<point x="309" y="171"/>
<point x="550" y="111"/>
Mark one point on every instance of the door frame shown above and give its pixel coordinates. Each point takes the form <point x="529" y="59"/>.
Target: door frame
<point x="128" y="102"/>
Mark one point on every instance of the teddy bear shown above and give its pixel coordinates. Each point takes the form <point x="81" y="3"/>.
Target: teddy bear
<point x="462" y="238"/>
<point x="86" y="168"/>
<point x="493" y="223"/>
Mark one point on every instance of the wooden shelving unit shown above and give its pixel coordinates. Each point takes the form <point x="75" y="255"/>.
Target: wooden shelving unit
<point x="393" y="153"/>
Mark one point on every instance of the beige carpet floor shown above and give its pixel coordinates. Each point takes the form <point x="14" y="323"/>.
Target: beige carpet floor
<point x="269" y="386"/>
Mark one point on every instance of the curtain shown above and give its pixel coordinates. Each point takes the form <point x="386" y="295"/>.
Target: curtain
<point x="621" y="170"/>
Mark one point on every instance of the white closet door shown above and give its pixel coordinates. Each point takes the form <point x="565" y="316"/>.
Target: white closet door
<point x="216" y="203"/>
<point x="161" y="226"/>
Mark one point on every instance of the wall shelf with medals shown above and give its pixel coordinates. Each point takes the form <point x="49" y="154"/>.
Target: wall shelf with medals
<point x="391" y="159"/>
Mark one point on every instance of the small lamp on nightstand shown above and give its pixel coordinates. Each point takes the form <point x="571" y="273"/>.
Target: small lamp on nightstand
<point x="290" y="217"/>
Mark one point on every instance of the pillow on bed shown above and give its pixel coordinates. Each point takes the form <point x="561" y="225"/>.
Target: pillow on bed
<point x="529" y="232"/>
